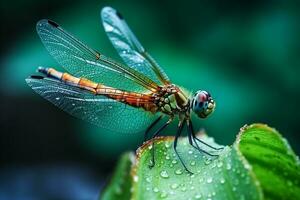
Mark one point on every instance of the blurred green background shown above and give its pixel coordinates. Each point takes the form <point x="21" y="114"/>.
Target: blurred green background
<point x="245" y="53"/>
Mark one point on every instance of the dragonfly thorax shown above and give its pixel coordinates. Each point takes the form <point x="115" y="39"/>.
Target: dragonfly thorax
<point x="202" y="104"/>
<point x="171" y="100"/>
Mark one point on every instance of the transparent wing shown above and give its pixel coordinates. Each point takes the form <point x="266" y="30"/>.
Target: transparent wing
<point x="128" y="46"/>
<point x="82" y="61"/>
<point x="96" y="109"/>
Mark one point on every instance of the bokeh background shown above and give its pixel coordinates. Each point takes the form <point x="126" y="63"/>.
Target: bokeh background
<point x="245" y="53"/>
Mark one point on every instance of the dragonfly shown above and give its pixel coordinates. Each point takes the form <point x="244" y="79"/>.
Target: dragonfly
<point x="125" y="98"/>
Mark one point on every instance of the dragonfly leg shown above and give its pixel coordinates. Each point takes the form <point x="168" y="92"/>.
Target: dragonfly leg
<point x="153" y="143"/>
<point x="179" y="131"/>
<point x="150" y="127"/>
<point x="195" y="138"/>
<point x="192" y="140"/>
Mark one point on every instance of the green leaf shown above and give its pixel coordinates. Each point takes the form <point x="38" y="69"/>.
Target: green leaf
<point x="223" y="178"/>
<point x="274" y="163"/>
<point x="120" y="184"/>
<point x="259" y="165"/>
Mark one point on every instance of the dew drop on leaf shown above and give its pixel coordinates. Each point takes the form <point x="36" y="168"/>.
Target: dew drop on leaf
<point x="174" y="186"/>
<point x="222" y="180"/>
<point x="164" y="174"/>
<point x="163" y="195"/>
<point x="174" y="161"/>
<point x="178" y="171"/>
<point x="228" y="166"/>
<point x="148" y="179"/>
<point x="220" y="164"/>
<point x="135" y="178"/>
<point x="167" y="145"/>
<point x="183" y="189"/>
<point x="209" y="180"/>
<point x="155" y="189"/>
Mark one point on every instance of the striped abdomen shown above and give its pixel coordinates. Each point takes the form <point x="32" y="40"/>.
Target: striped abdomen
<point x="134" y="99"/>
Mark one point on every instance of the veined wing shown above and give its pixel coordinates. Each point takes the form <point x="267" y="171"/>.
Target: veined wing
<point x="128" y="46"/>
<point x="96" y="109"/>
<point x="82" y="61"/>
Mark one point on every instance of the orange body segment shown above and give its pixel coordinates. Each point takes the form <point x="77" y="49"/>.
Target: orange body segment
<point x="134" y="99"/>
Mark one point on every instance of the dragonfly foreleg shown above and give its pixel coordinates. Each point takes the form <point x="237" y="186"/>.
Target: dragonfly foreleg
<point x="194" y="137"/>
<point x="154" y="135"/>
<point x="179" y="131"/>
<point x="192" y="140"/>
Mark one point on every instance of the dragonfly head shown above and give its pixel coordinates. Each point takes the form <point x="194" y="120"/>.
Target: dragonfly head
<point x="202" y="104"/>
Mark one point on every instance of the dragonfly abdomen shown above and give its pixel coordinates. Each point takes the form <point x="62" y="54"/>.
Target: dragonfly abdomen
<point x="133" y="99"/>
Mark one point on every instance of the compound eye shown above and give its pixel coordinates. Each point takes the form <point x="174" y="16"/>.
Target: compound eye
<point x="202" y="96"/>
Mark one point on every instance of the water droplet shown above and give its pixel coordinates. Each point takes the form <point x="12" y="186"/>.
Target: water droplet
<point x="192" y="187"/>
<point x="163" y="195"/>
<point x="193" y="163"/>
<point x="174" y="161"/>
<point x="150" y="147"/>
<point x="198" y="196"/>
<point x="164" y="174"/>
<point x="148" y="179"/>
<point x="73" y="104"/>
<point x="167" y="145"/>
<point x="213" y="165"/>
<point x="228" y="166"/>
<point x="220" y="164"/>
<point x="174" y="186"/>
<point x="155" y="189"/>
<point x="135" y="178"/>
<point x="190" y="152"/>
<point x="222" y="180"/>
<point x="57" y="98"/>
<point x="247" y="166"/>
<point x="183" y="189"/>
<point x="147" y="188"/>
<point x="167" y="157"/>
<point x="207" y="162"/>
<point x="209" y="180"/>
<point x="178" y="171"/>
<point x="213" y="193"/>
